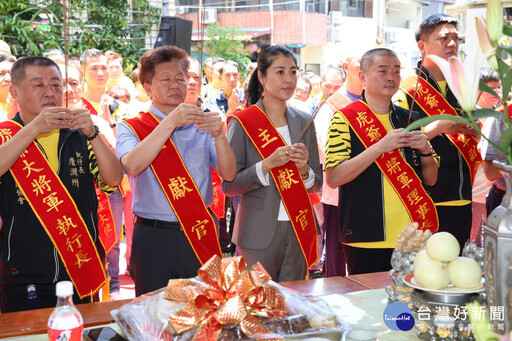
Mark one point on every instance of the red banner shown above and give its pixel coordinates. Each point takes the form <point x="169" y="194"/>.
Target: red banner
<point x="181" y="192"/>
<point x="400" y="174"/>
<point x="293" y="192"/>
<point x="219" y="199"/>
<point x="434" y="103"/>
<point x="58" y="214"/>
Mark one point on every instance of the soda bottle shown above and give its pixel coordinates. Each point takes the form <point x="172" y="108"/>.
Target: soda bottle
<point x="65" y="323"/>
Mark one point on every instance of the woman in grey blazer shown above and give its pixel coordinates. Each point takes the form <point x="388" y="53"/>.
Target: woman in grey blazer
<point x="263" y="231"/>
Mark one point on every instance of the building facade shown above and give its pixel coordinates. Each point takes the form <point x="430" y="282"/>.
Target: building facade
<point x="319" y="32"/>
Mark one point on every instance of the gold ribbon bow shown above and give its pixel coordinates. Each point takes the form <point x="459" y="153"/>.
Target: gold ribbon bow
<point x="230" y="294"/>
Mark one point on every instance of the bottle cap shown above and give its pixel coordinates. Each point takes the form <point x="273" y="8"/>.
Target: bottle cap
<point x="64" y="288"/>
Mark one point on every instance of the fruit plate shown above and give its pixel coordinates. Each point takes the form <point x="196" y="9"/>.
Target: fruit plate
<point x="410" y="281"/>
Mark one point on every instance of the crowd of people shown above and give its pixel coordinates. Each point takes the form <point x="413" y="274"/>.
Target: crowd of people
<point x="313" y="168"/>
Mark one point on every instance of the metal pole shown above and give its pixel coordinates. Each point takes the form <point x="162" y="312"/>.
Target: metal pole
<point x="271" y="5"/>
<point x="303" y="7"/>
<point x="164" y="8"/>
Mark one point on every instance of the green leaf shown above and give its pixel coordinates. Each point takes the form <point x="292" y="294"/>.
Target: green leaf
<point x="506" y="80"/>
<point x="479" y="114"/>
<point x="485" y="88"/>
<point x="427" y="120"/>
<point x="112" y="15"/>
<point x="507" y="30"/>
<point x="506" y="139"/>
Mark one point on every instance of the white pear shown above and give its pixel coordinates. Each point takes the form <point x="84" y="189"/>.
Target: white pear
<point x="443" y="246"/>
<point x="465" y="272"/>
<point x="431" y="274"/>
<point x="420" y="257"/>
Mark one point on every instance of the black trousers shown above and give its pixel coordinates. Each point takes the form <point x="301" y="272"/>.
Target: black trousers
<point x="334" y="256"/>
<point x="457" y="220"/>
<point x="492" y="200"/>
<point x="160" y="253"/>
<point x="13" y="297"/>
<point x="361" y="260"/>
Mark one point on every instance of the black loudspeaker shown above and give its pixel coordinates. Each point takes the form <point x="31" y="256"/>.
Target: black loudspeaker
<point x="175" y="31"/>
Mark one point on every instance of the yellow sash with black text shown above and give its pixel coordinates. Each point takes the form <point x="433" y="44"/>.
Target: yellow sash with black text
<point x="432" y="102"/>
<point x="181" y="192"/>
<point x="58" y="214"/>
<point x="294" y="195"/>
<point x="393" y="165"/>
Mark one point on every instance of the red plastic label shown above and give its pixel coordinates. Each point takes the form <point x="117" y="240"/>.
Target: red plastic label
<point x="71" y="334"/>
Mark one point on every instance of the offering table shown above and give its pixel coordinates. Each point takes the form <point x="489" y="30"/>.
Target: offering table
<point x="96" y="314"/>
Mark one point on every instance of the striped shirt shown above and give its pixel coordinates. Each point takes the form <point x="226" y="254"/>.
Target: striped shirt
<point x="338" y="149"/>
<point x="337" y="145"/>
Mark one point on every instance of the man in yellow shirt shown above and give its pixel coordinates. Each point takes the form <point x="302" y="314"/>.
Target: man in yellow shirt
<point x="96" y="74"/>
<point x="379" y="169"/>
<point x="116" y="73"/>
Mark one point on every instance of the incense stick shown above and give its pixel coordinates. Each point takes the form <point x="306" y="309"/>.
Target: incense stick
<point x="415" y="90"/>
<point x="308" y="123"/>
<point x="66" y="48"/>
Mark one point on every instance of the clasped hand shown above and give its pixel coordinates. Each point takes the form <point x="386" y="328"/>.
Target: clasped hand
<point x="297" y="153"/>
<point x="62" y="118"/>
<point x="398" y="139"/>
<point x="185" y="114"/>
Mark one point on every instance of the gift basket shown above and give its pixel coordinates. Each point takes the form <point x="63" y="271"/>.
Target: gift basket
<point x="227" y="301"/>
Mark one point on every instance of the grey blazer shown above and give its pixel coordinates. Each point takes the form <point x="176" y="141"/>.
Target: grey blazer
<point x="256" y="216"/>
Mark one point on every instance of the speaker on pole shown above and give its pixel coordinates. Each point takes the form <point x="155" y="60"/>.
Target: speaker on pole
<point x="175" y="31"/>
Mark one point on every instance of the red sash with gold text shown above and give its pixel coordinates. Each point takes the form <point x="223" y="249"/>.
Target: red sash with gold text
<point x="294" y="194"/>
<point x="88" y="105"/>
<point x="57" y="212"/>
<point x="400" y="174"/>
<point x="434" y="103"/>
<point x="106" y="222"/>
<point x="181" y="192"/>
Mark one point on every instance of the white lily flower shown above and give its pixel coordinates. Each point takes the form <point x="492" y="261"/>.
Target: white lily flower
<point x="486" y="44"/>
<point x="463" y="77"/>
<point x="494" y="20"/>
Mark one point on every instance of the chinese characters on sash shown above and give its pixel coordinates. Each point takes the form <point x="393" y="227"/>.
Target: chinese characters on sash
<point x="400" y="174"/>
<point x="54" y="207"/>
<point x="290" y="186"/>
<point x="434" y="103"/>
<point x="106" y="222"/>
<point x="181" y="192"/>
